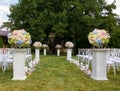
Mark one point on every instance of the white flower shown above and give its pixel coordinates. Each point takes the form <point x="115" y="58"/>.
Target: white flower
<point x="69" y="44"/>
<point x="19" y="38"/>
<point x="98" y="37"/>
<point x="44" y="45"/>
<point x="37" y="44"/>
<point x="58" y="46"/>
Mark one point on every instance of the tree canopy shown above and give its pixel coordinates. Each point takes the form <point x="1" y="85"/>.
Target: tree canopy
<point x="69" y="20"/>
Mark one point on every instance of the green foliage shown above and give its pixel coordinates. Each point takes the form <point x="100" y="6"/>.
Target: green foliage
<point x="115" y="37"/>
<point x="68" y="19"/>
<point x="1" y="42"/>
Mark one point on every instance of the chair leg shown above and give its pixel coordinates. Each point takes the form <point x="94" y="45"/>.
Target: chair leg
<point x="108" y="68"/>
<point x="114" y="68"/>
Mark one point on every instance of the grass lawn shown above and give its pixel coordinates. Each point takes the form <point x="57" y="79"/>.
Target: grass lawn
<point x="54" y="73"/>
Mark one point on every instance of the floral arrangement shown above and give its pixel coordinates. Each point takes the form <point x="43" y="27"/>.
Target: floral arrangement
<point x="58" y="46"/>
<point x="19" y="38"/>
<point x="37" y="44"/>
<point x="69" y="44"/>
<point x="45" y="46"/>
<point x="98" y="37"/>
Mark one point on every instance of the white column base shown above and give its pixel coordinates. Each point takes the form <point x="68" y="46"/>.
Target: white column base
<point x="99" y="65"/>
<point x="58" y="52"/>
<point x="69" y="54"/>
<point x="19" y="72"/>
<point x="44" y="51"/>
<point x="37" y="55"/>
<point x="99" y="78"/>
<point x="19" y="78"/>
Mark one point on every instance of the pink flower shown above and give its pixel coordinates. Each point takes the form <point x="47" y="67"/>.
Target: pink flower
<point x="98" y="37"/>
<point x="19" y="38"/>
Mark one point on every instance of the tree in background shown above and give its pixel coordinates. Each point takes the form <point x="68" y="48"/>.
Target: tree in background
<point x="1" y="42"/>
<point x="69" y="20"/>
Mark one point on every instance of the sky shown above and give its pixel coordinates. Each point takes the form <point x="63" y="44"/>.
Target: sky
<point x="4" y="8"/>
<point x="117" y="11"/>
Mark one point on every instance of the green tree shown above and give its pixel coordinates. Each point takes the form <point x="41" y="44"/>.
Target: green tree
<point x="68" y="19"/>
<point x="1" y="42"/>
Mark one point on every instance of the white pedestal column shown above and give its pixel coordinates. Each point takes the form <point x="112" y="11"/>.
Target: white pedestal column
<point x="44" y="51"/>
<point x="37" y="55"/>
<point x="69" y="54"/>
<point x="19" y="64"/>
<point x="99" y="64"/>
<point x="58" y="52"/>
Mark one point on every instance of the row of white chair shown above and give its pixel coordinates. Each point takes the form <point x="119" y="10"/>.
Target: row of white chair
<point x="84" y="56"/>
<point x="6" y="58"/>
<point x="113" y="60"/>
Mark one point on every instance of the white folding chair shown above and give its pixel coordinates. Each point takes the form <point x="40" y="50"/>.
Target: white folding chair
<point x="110" y="61"/>
<point x="7" y="61"/>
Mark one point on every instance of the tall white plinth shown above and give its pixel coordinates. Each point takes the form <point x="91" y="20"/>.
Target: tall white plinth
<point x="99" y="64"/>
<point x="69" y="54"/>
<point x="19" y="64"/>
<point x="37" y="55"/>
<point x="44" y="51"/>
<point x="58" y="52"/>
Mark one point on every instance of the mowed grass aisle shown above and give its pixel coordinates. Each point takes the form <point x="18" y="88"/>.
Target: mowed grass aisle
<point x="54" y="73"/>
